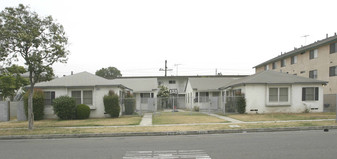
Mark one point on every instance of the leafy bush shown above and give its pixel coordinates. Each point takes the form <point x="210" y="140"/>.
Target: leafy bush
<point x="130" y="104"/>
<point x="64" y="107"/>
<point x="241" y="103"/>
<point x="38" y="104"/>
<point x="111" y="104"/>
<point x="82" y="111"/>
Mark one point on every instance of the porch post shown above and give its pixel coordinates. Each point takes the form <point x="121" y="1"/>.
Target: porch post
<point x="224" y="103"/>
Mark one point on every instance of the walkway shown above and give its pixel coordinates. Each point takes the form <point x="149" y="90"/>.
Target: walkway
<point x="224" y="118"/>
<point x="146" y="120"/>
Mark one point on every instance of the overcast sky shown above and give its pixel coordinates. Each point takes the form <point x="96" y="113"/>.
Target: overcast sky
<point x="137" y="36"/>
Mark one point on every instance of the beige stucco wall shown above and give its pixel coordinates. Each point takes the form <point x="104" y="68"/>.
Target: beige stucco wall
<point x="322" y="64"/>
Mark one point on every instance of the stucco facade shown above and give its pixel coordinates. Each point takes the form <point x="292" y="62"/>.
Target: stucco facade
<point x="257" y="99"/>
<point x="304" y="65"/>
<point x="97" y="106"/>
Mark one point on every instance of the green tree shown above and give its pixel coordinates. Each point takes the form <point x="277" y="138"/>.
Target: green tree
<point x="164" y="95"/>
<point x="48" y="75"/>
<point x="11" y="80"/>
<point x="241" y="103"/>
<point x="39" y="41"/>
<point x="163" y="92"/>
<point x="109" y="73"/>
<point x="111" y="104"/>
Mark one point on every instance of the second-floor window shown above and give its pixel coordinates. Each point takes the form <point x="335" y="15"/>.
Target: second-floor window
<point x="333" y="71"/>
<point x="293" y="59"/>
<point x="266" y="67"/>
<point x="313" y="54"/>
<point x="333" y="48"/>
<point x="274" y="65"/>
<point x="172" y="82"/>
<point x="283" y="63"/>
<point x="313" y="74"/>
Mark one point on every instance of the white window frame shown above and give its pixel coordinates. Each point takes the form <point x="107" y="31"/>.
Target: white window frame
<point x="50" y="97"/>
<point x="283" y="62"/>
<point x="314" y="74"/>
<point x="293" y="59"/>
<point x="278" y="102"/>
<point x="82" y="96"/>
<point x="314" y="52"/>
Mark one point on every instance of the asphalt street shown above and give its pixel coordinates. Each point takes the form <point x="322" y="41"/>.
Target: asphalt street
<point x="268" y="145"/>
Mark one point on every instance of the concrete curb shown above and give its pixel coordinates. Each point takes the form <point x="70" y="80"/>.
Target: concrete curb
<point x="58" y="136"/>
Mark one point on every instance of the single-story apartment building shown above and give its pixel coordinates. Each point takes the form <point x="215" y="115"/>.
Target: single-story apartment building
<point x="271" y="92"/>
<point x="84" y="87"/>
<point x="204" y="92"/>
<point x="144" y="90"/>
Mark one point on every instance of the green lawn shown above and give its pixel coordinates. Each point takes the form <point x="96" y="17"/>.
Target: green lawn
<point x="124" y="120"/>
<point x="282" y="116"/>
<point x="184" y="118"/>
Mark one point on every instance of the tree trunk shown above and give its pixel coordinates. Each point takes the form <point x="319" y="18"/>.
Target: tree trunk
<point x="30" y="108"/>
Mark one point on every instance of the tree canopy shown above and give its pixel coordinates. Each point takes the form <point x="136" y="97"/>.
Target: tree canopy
<point x="38" y="41"/>
<point x="109" y="73"/>
<point x="11" y="80"/>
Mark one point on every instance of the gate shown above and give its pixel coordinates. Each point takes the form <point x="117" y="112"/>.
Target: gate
<point x="214" y="103"/>
<point x="151" y="103"/>
<point x="231" y="104"/>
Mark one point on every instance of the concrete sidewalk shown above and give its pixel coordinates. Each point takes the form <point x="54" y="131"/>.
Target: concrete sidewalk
<point x="224" y="118"/>
<point x="146" y="120"/>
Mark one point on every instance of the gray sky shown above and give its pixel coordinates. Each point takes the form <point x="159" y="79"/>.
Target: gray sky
<point x="137" y="36"/>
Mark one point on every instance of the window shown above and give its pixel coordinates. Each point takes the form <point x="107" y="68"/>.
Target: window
<point x="82" y="97"/>
<point x="172" y="82"/>
<point x="293" y="59"/>
<point x="274" y="65"/>
<point x="283" y="63"/>
<point x="77" y="96"/>
<point x="280" y="94"/>
<point x="333" y="71"/>
<point x="313" y="74"/>
<point x="144" y="97"/>
<point x="333" y="48"/>
<point x="313" y="54"/>
<point x="310" y="94"/>
<point x="204" y="96"/>
<point x="266" y="67"/>
<point x="87" y="97"/>
<point x="49" y="96"/>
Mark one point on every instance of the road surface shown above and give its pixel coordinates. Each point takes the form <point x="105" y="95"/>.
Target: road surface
<point x="268" y="145"/>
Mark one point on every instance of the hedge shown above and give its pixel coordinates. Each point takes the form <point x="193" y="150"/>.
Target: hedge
<point x="38" y="104"/>
<point x="64" y="107"/>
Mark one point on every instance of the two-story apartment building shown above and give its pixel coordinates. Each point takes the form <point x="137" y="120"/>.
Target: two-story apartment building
<point x="317" y="60"/>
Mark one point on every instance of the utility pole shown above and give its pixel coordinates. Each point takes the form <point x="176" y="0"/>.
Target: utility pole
<point x="166" y="69"/>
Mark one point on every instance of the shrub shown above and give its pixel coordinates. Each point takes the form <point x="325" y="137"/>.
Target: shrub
<point x="111" y="104"/>
<point x="38" y="104"/>
<point x="196" y="108"/>
<point x="82" y="111"/>
<point x="130" y="104"/>
<point x="64" y="107"/>
<point x="241" y="103"/>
